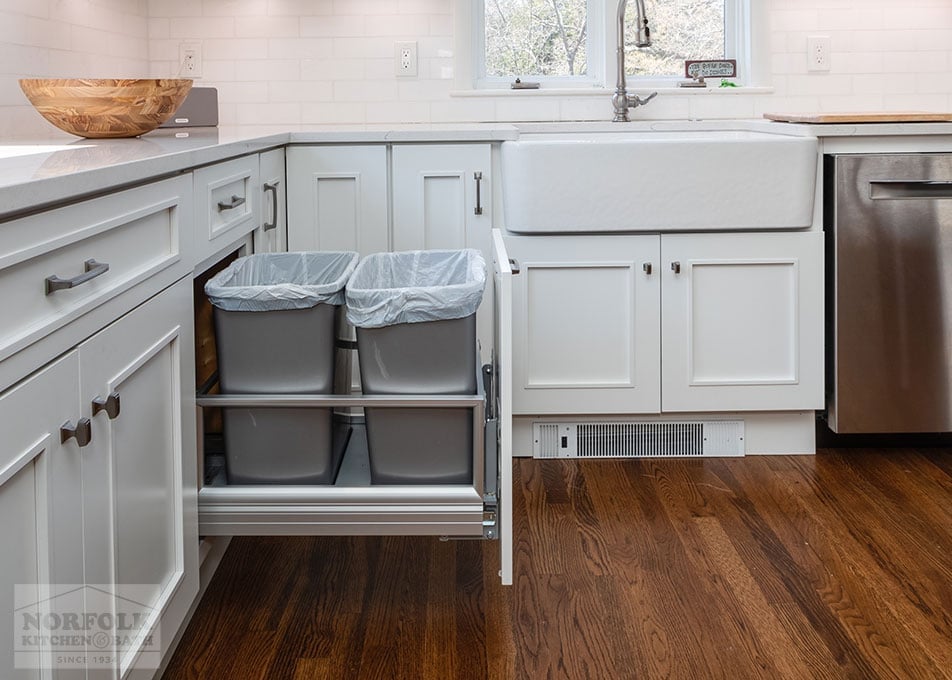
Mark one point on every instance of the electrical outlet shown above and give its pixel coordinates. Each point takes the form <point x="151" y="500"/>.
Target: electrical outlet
<point x="818" y="52"/>
<point x="190" y="60"/>
<point x="406" y="57"/>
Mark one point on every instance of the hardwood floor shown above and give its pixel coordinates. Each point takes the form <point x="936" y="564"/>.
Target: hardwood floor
<point x="834" y="566"/>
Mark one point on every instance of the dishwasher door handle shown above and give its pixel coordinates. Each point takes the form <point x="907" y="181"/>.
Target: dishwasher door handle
<point x="903" y="189"/>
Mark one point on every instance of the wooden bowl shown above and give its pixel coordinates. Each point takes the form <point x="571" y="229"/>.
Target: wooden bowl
<point x="106" y="107"/>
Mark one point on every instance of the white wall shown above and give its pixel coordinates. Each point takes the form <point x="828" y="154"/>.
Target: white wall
<point x="332" y="61"/>
<point x="65" y="39"/>
<point x="307" y="62"/>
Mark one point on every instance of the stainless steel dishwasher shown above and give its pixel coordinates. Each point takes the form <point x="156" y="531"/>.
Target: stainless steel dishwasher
<point x="889" y="292"/>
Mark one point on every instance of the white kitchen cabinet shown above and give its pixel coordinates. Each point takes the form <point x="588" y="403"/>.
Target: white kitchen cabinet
<point x="115" y="505"/>
<point x="227" y="200"/>
<point x="742" y="322"/>
<point x="337" y="198"/>
<point x="139" y="472"/>
<point x="271" y="236"/>
<point x="585" y="321"/>
<point x="442" y="197"/>
<point x="644" y="324"/>
<point x="41" y="506"/>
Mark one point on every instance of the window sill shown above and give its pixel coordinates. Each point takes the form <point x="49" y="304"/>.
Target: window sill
<point x="606" y="92"/>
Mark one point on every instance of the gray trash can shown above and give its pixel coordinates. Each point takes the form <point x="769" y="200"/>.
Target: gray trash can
<point x="415" y="315"/>
<point x="274" y="329"/>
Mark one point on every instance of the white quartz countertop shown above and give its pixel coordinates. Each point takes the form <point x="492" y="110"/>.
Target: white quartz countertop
<point x="42" y="172"/>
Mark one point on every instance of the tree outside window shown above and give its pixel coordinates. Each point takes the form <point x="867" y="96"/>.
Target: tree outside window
<point x="551" y="38"/>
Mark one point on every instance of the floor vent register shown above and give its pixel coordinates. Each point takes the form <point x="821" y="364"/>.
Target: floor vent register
<point x="634" y="439"/>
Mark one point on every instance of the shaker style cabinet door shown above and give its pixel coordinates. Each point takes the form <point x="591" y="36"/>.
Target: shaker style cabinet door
<point x="442" y="197"/>
<point x="442" y="200"/>
<point x="742" y="322"/>
<point x="271" y="236"/>
<point x="337" y="198"/>
<point x="41" y="506"/>
<point x="139" y="474"/>
<point x="585" y="317"/>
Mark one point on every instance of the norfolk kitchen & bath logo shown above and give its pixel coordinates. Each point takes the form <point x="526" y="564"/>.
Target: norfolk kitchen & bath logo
<point x="85" y="626"/>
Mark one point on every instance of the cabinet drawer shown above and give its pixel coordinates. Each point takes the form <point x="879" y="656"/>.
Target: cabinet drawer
<point x="60" y="264"/>
<point x="226" y="203"/>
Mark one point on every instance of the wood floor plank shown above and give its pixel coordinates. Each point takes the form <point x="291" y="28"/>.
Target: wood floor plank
<point x="833" y="566"/>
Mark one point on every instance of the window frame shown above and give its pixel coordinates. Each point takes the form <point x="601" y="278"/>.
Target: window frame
<point x="601" y="50"/>
<point x="595" y="35"/>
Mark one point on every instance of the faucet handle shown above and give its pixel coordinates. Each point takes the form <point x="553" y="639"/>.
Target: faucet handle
<point x="635" y="101"/>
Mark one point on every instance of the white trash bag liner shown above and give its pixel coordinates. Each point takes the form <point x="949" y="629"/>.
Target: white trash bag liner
<point x="273" y="281"/>
<point x="415" y="286"/>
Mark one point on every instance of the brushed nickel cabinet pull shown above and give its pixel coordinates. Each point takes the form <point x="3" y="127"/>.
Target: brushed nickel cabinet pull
<point x="273" y="190"/>
<point x="234" y="203"/>
<point x="478" y="176"/>
<point x="82" y="431"/>
<point x="111" y="405"/>
<point x="92" y="269"/>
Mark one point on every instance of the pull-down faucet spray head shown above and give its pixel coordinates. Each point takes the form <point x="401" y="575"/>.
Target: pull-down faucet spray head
<point x="643" y="37"/>
<point x="622" y="101"/>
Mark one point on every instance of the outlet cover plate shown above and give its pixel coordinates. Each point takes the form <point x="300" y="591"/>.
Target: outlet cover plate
<point x="190" y="60"/>
<point x="405" y="58"/>
<point x="818" y="52"/>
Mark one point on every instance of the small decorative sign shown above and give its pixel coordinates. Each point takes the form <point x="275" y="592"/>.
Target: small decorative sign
<point x="710" y="68"/>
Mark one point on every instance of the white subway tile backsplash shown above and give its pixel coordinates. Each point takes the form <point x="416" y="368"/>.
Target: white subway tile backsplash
<point x="267" y="70"/>
<point x="201" y="27"/>
<point x="337" y="69"/>
<point x="300" y="8"/>
<point x="333" y="26"/>
<point x="267" y="27"/>
<point x="300" y="48"/>
<point x="329" y="113"/>
<point x="235" y="48"/>
<point x="285" y="91"/>
<point x="403" y="112"/>
<point x="234" y="8"/>
<point x="366" y="91"/>
<point x="332" y="61"/>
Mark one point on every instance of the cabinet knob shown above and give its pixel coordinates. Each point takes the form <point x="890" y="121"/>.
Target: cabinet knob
<point x="647" y="267"/>
<point x="82" y="431"/>
<point x="111" y="405"/>
<point x="676" y="267"/>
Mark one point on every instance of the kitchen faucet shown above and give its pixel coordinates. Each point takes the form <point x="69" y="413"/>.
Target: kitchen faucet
<point x="621" y="100"/>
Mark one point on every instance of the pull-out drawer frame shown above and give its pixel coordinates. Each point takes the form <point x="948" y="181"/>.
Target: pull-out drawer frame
<point x="430" y="509"/>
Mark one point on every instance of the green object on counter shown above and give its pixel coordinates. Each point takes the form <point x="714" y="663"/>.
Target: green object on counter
<point x="726" y="83"/>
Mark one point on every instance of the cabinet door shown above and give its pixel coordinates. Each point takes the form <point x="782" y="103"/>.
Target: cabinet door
<point x="139" y="475"/>
<point x="742" y="322"/>
<point x="435" y="202"/>
<point x="337" y="198"/>
<point x="585" y="316"/>
<point x="41" y="566"/>
<point x="502" y="399"/>
<point x="439" y="204"/>
<point x="271" y="236"/>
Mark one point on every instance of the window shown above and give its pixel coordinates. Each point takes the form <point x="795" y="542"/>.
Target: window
<point x="572" y="42"/>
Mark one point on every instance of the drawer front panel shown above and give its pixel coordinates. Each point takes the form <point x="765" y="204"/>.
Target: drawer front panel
<point x="102" y="247"/>
<point x="226" y="203"/>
